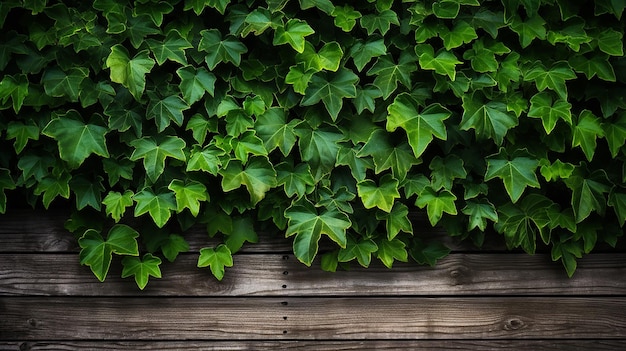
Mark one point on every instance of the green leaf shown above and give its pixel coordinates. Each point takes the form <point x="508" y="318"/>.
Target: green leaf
<point x="428" y="253"/>
<point x="217" y="259"/>
<point x="483" y="53"/>
<point x="588" y="192"/>
<point x="345" y="17"/>
<point x="299" y="78"/>
<point x="21" y="133"/>
<point x="188" y="195"/>
<point x="205" y="159"/>
<point x="516" y="172"/>
<point x="358" y="166"/>
<point x="382" y="195"/>
<point x="158" y="205"/>
<point x="420" y="127"/>
<point x="331" y="89"/>
<point x="52" y="186"/>
<point x="396" y="220"/>
<point x="557" y="170"/>
<point x="361" y="250"/>
<point x="615" y="134"/>
<point x="131" y="73"/>
<point x="585" y="130"/>
<point x="171" y="48"/>
<point x="308" y="224"/>
<point x="319" y="148"/>
<point x="363" y="52"/>
<point x="155" y="10"/>
<point x="366" y="98"/>
<point x="88" y="192"/>
<point x="76" y="140"/>
<point x="173" y="245"/>
<point x="296" y="180"/>
<point x="272" y="127"/>
<point x="115" y="203"/>
<point x="328" y="57"/>
<point x="381" y="22"/>
<point x="293" y="33"/>
<point x="58" y="83"/>
<point x="258" y="176"/>
<point x="598" y="65"/>
<point x="617" y="200"/>
<point x="391" y="250"/>
<point x="445" y="170"/>
<point x="220" y="50"/>
<point x="443" y="63"/>
<point x="15" y="87"/>
<point x="553" y="78"/>
<point x="387" y="73"/>
<point x="142" y="269"/>
<point x="446" y="9"/>
<point x="166" y="110"/>
<point x="324" y="5"/>
<point x="399" y="158"/>
<point x="154" y="151"/>
<point x="6" y="183"/>
<point x="541" y="106"/>
<point x="490" y="121"/>
<point x="529" y="30"/>
<point x="568" y="252"/>
<point x="479" y="211"/>
<point x="200" y="126"/>
<point x="138" y="28"/>
<point x="242" y="231"/>
<point x="610" y="42"/>
<point x="97" y="253"/>
<point x="462" y="33"/>
<point x="436" y="203"/>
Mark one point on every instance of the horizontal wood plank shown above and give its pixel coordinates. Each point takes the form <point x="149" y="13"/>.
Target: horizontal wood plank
<point x="279" y="275"/>
<point x="323" y="345"/>
<point x="32" y="319"/>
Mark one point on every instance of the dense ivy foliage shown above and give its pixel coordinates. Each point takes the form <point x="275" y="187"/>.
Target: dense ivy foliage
<point x="323" y="120"/>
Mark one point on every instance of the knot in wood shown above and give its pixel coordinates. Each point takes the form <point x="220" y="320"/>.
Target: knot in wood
<point x="24" y="347"/>
<point x="32" y="322"/>
<point x="514" y="324"/>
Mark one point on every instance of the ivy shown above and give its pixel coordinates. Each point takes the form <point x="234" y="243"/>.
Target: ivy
<point x="321" y="120"/>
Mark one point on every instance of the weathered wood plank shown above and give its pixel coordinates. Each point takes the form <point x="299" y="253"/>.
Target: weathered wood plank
<point x="272" y="275"/>
<point x="32" y="319"/>
<point x="386" y="345"/>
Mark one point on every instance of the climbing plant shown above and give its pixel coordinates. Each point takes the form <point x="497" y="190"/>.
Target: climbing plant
<point x="326" y="121"/>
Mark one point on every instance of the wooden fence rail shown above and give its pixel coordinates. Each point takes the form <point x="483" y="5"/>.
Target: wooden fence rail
<point x="472" y="300"/>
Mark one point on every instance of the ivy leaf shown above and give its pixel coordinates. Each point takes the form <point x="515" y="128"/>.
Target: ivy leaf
<point x="617" y="200"/>
<point x="131" y="73"/>
<point x="420" y="127"/>
<point x="445" y="170"/>
<point x="6" y="183"/>
<point x="479" y="211"/>
<point x="220" y="50"/>
<point x="331" y="89"/>
<point x="553" y="78"/>
<point x="615" y="134"/>
<point x="446" y="9"/>
<point x="490" y="121"/>
<point x="200" y="126"/>
<point x="381" y="21"/>
<point x="88" y="192"/>
<point x="358" y="166"/>
<point x="296" y="180"/>
<point x="443" y="63"/>
<point x="217" y="259"/>
<point x="159" y="205"/>
<point x="597" y="65"/>
<point x="299" y="77"/>
<point x="171" y="48"/>
<point x="381" y="196"/>
<point x="115" y="203"/>
<point x="166" y="110"/>
<point x="345" y="17"/>
<point x="188" y="195"/>
<point x="391" y="250"/>
<point x="154" y="151"/>
<point x="568" y="252"/>
<point x="142" y="269"/>
<point x="308" y="225"/>
<point x="366" y="98"/>
<point x="529" y="30"/>
<point x="362" y="250"/>
<point x="155" y="10"/>
<point x="399" y="158"/>
<point x="58" y="83"/>
<point x="483" y="53"/>
<point x="242" y="231"/>
<point x="396" y="220"/>
<point x="319" y="148"/>
<point x="585" y="131"/>
<point x="588" y="192"/>
<point x="76" y="140"/>
<point x="52" y="186"/>
<point x="428" y="253"/>
<point x="387" y="73"/>
<point x="328" y="57"/>
<point x="516" y="172"/>
<point x="541" y="106"/>
<point x="462" y="33"/>
<point x="324" y="5"/>
<point x="173" y="245"/>
<point x="363" y="52"/>
<point x="557" y="170"/>
<point x="272" y="127"/>
<point x="15" y="87"/>
<point x="293" y="33"/>
<point x="97" y="253"/>
<point x="436" y="203"/>
<point x="610" y="42"/>
<point x="138" y="28"/>
<point x="258" y="176"/>
<point x="22" y="133"/>
<point x="205" y="159"/>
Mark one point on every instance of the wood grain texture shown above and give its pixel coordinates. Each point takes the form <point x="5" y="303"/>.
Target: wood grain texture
<point x="280" y="275"/>
<point x="32" y="319"/>
<point x="324" y="345"/>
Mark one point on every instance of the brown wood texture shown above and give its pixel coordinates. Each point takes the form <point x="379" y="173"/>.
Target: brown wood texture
<point x="318" y="345"/>
<point x="282" y="275"/>
<point x="346" y="318"/>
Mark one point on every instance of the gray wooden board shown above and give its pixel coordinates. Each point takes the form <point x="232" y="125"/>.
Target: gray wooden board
<point x="349" y="318"/>
<point x="278" y="275"/>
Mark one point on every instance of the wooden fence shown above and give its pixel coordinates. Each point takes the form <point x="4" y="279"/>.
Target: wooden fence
<point x="473" y="300"/>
